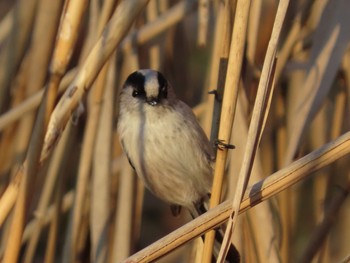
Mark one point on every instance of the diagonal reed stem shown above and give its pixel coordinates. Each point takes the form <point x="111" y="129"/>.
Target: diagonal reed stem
<point x="257" y="193"/>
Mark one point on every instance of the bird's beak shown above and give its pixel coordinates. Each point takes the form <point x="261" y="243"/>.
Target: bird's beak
<point x="152" y="101"/>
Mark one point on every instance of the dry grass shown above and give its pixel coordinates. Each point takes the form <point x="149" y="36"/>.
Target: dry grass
<point x="67" y="192"/>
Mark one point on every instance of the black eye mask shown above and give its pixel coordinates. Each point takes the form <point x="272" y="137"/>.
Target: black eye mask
<point x="137" y="81"/>
<point x="163" y="87"/>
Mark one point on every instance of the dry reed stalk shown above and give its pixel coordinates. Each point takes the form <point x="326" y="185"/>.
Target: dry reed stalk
<point x="284" y="202"/>
<point x="84" y="233"/>
<point x="17" y="225"/>
<point x="248" y="249"/>
<point x="218" y="64"/>
<point x="203" y="20"/>
<point x="252" y="239"/>
<point x="265" y="236"/>
<point x="324" y="183"/>
<point x="323" y="228"/>
<point x="46" y="23"/>
<point x="332" y="37"/>
<point x="238" y="139"/>
<point x="297" y="32"/>
<point x="62" y="156"/>
<point x="265" y="252"/>
<point x="30" y="166"/>
<point x="154" y="51"/>
<point x="124" y="215"/>
<point x="67" y="35"/>
<point x="32" y="102"/>
<point x="228" y="110"/>
<point x="316" y="11"/>
<point x="256" y="194"/>
<point x="50" y="249"/>
<point x="26" y="106"/>
<point x="7" y="200"/>
<point x="197" y="251"/>
<point x="14" y="47"/>
<point x="252" y="63"/>
<point x="265" y="243"/>
<point x="345" y="68"/>
<point x="22" y="139"/>
<point x="67" y="202"/>
<point x="9" y="154"/>
<point x="114" y="31"/>
<point x="130" y="189"/>
<point x="286" y="50"/>
<point x="318" y="137"/>
<point x="321" y="187"/>
<point x="163" y="22"/>
<point x="46" y="195"/>
<point x="300" y="40"/>
<point x="289" y="211"/>
<point x="267" y="146"/>
<point x="163" y="5"/>
<point x="260" y="111"/>
<point x="11" y="116"/>
<point x="253" y="33"/>
<point x="106" y="11"/>
<point x="262" y="213"/>
<point x="5" y="25"/>
<point x="345" y="259"/>
<point x="121" y="21"/>
<point x="92" y="32"/>
<point x="139" y="200"/>
<point x="200" y="109"/>
<point x="67" y="238"/>
<point x="338" y="114"/>
<point x="85" y="163"/>
<point x="100" y="206"/>
<point x="339" y="228"/>
<point x="288" y="203"/>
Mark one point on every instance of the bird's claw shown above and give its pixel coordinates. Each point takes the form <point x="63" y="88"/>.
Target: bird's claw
<point x="222" y="146"/>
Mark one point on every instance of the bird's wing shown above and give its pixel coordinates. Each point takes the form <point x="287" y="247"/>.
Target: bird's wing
<point x="127" y="155"/>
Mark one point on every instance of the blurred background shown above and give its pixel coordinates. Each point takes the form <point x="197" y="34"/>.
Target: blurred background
<point x="85" y="204"/>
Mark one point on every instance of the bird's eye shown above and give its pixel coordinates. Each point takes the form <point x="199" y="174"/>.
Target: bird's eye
<point x="164" y="91"/>
<point x="163" y="86"/>
<point x="138" y="93"/>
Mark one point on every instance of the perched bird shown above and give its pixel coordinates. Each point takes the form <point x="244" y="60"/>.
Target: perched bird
<point x="164" y="142"/>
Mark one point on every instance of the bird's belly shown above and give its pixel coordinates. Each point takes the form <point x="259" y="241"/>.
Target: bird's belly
<point x="167" y="163"/>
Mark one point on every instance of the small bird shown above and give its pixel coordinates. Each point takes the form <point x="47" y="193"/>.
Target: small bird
<point x="164" y="143"/>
